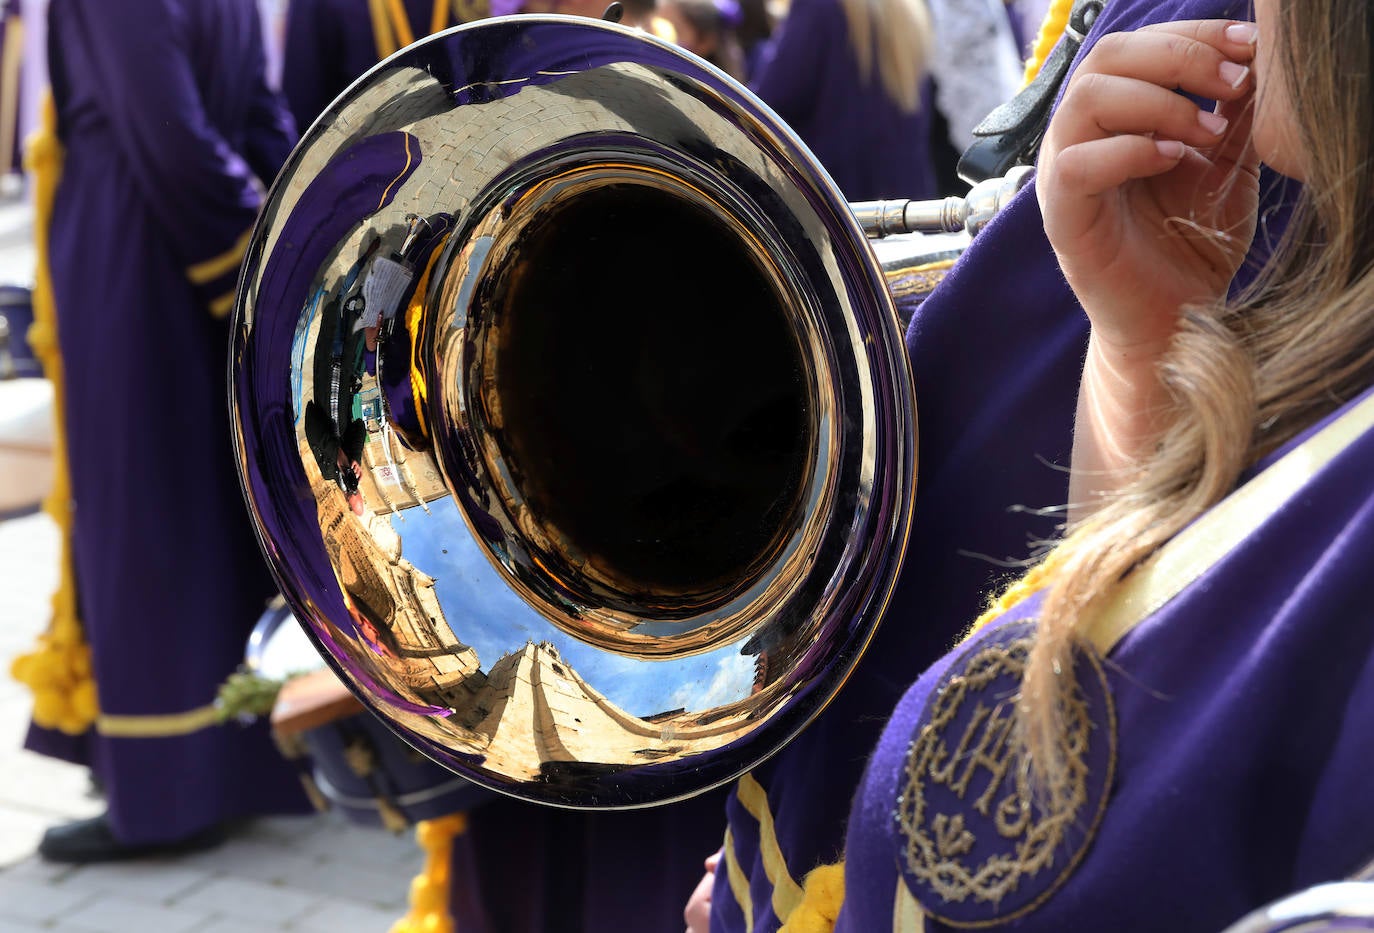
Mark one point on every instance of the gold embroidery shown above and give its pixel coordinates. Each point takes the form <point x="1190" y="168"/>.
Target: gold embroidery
<point x="919" y="280"/>
<point x="984" y="770"/>
<point x="739" y="883"/>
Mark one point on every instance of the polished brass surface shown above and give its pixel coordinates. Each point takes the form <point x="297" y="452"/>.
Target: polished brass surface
<point x="574" y="411"/>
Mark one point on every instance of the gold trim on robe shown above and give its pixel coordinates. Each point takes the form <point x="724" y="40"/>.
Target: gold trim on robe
<point x="787" y="894"/>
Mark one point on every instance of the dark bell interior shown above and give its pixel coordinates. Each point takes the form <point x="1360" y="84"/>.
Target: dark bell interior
<point x="654" y="399"/>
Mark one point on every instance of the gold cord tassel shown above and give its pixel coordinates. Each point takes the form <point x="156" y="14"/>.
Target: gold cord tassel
<point x="822" y="897"/>
<point x="58" y="670"/>
<point x="429" y="890"/>
<point x="1051" y="31"/>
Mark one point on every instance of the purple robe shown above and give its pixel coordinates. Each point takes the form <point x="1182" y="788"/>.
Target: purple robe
<point x="996" y="353"/>
<point x="523" y="868"/>
<point x="1025" y="17"/>
<point x="169" y="130"/>
<point x="872" y="148"/>
<point x="329" y="44"/>
<point x="1233" y="767"/>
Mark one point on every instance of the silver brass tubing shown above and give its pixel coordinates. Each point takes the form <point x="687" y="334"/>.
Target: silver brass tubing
<point x="969" y="214"/>
<point x="888" y="218"/>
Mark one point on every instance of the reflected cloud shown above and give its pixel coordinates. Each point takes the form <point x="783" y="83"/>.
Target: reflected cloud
<point x="733" y="679"/>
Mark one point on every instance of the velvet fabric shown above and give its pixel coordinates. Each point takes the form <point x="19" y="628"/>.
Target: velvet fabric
<point x="808" y="73"/>
<point x="1242" y="743"/>
<point x="170" y="133"/>
<point x="996" y="353"/>
<point x="522" y="868"/>
<point x="328" y="45"/>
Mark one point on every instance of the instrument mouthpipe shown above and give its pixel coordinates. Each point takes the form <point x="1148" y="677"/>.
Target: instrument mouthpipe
<point x="888" y="218"/>
<point x="969" y="214"/>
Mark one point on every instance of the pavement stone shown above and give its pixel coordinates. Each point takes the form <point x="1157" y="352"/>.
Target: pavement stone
<point x="18" y="926"/>
<point x="166" y="884"/>
<point x="340" y="916"/>
<point x="250" y="901"/>
<point x="19" y="901"/>
<point x="115" y="914"/>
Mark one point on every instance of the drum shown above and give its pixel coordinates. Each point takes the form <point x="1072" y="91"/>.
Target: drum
<point x="26" y="410"/>
<point x="348" y="760"/>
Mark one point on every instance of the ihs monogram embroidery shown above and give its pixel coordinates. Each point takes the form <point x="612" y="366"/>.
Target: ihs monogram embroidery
<point x="976" y="845"/>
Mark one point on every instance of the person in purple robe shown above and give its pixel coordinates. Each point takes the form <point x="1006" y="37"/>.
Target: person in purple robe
<point x="849" y="77"/>
<point x="170" y="135"/>
<point x="1167" y="722"/>
<point x="331" y="43"/>
<point x="996" y="352"/>
<point x="886" y="93"/>
<point x="1025" y="17"/>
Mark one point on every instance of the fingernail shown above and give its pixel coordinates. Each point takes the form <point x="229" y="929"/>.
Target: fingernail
<point x="1234" y="74"/>
<point x="1169" y="148"/>
<point x="1214" y="123"/>
<point x="1243" y="33"/>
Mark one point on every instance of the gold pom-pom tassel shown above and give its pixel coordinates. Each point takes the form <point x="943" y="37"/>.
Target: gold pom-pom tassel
<point x="1051" y="31"/>
<point x="822" y="897"/>
<point x="58" y="670"/>
<point x="429" y="890"/>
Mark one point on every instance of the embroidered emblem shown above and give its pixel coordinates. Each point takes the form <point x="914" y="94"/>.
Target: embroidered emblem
<point x="975" y="845"/>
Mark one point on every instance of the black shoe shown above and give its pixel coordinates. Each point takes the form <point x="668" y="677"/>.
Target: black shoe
<point x="85" y="841"/>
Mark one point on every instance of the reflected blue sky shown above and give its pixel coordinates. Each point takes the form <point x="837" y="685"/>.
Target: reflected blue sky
<point x="486" y="614"/>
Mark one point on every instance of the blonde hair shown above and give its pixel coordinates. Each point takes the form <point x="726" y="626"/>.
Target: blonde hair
<point x="1245" y="376"/>
<point x="897" y="33"/>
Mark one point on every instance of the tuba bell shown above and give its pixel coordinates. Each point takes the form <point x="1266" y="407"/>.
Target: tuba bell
<point x="573" y="412"/>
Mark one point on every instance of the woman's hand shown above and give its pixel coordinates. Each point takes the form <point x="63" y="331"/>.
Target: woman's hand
<point x="698" y="912"/>
<point x="1149" y="201"/>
